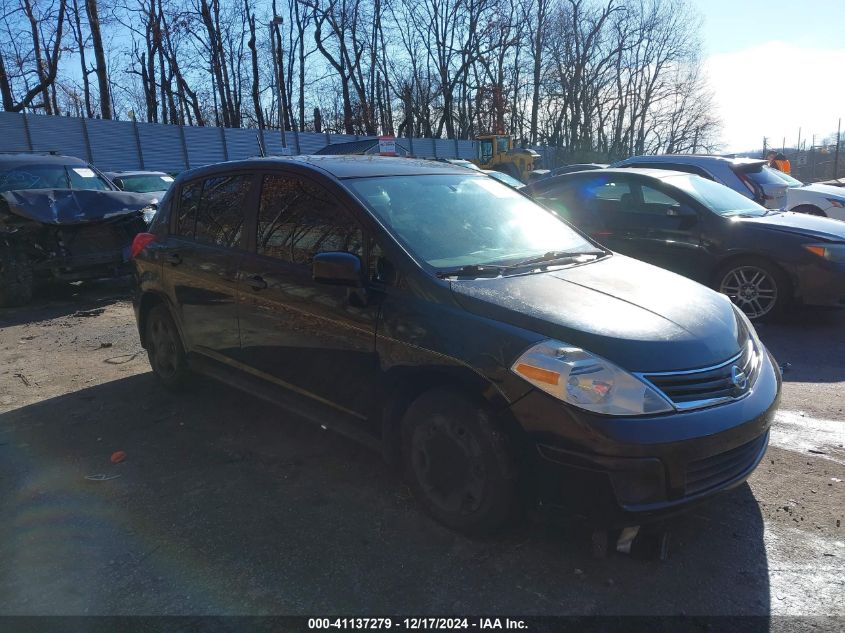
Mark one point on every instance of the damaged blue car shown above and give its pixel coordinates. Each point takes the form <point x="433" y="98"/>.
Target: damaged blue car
<point x="61" y="219"/>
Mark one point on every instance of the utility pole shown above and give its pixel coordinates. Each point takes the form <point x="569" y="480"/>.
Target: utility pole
<point x="836" y="158"/>
<point x="277" y="72"/>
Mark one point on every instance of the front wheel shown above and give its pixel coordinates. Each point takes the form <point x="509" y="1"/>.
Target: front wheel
<point x="458" y="464"/>
<point x="16" y="278"/>
<point x="756" y="286"/>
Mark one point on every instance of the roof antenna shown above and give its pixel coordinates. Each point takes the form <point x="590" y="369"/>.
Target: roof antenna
<point x="260" y="145"/>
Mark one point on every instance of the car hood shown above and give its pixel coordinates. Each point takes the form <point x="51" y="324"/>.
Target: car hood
<point x="825" y="190"/>
<point x="811" y="226"/>
<point x="73" y="206"/>
<point x="641" y="317"/>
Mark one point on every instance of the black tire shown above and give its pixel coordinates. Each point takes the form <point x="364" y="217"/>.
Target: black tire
<point x="809" y="209"/>
<point x="16" y="277"/>
<point x="165" y="349"/>
<point x="459" y="465"/>
<point x="758" y="287"/>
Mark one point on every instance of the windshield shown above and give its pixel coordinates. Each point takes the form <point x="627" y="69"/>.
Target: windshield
<point x="146" y="183"/>
<point x="789" y="180"/>
<point x="34" y="176"/>
<point x="457" y="220"/>
<point x="718" y="198"/>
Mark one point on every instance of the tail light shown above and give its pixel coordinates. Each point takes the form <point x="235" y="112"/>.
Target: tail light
<point x="141" y="241"/>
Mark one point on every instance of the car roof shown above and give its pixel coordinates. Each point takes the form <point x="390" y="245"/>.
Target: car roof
<point x="40" y="158"/>
<point x="341" y="167"/>
<point x="692" y="159"/>
<point x="660" y="174"/>
<point x="136" y="172"/>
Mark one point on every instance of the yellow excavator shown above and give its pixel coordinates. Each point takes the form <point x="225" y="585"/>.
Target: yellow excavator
<point x="496" y="151"/>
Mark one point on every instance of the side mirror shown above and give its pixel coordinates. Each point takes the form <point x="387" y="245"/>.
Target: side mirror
<point x="338" y="269"/>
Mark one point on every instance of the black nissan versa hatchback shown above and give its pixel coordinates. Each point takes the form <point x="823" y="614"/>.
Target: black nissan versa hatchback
<point x="461" y="329"/>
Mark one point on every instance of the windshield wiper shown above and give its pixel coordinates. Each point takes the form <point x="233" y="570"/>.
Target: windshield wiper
<point x="471" y="270"/>
<point x="555" y="257"/>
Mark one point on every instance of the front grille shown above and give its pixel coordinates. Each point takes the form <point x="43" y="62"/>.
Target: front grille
<point x="94" y="238"/>
<point x="712" y="471"/>
<point x="712" y="385"/>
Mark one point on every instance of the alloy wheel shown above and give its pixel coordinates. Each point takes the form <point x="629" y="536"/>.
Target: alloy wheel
<point x="752" y="289"/>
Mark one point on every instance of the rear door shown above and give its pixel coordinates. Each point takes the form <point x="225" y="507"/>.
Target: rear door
<point x="312" y="338"/>
<point x="201" y="266"/>
<point x="671" y="229"/>
<point x="595" y="204"/>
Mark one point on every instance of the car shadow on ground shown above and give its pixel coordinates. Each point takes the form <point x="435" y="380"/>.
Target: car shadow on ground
<point x="54" y="300"/>
<point x="798" y="337"/>
<point x="226" y="505"/>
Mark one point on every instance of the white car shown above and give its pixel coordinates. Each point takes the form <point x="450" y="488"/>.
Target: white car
<point x="815" y="199"/>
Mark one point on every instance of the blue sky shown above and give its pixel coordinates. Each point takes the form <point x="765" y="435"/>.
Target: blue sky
<point x="774" y="67"/>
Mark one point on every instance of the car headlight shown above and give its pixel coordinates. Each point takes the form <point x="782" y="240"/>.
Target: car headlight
<point x="836" y="203"/>
<point x="587" y="381"/>
<point x="149" y="213"/>
<point x="831" y="252"/>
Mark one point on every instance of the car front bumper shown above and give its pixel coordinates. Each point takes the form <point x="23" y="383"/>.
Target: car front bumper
<point x="625" y="471"/>
<point x="821" y="283"/>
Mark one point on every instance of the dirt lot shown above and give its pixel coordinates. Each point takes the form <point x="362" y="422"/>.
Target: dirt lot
<point x="225" y="505"/>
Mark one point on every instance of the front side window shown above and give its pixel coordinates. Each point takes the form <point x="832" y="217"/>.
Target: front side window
<point x="298" y="219"/>
<point x="457" y="220"/>
<point x="220" y="215"/>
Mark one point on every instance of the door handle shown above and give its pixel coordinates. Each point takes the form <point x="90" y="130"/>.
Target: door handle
<point x="256" y="282"/>
<point x="174" y="259"/>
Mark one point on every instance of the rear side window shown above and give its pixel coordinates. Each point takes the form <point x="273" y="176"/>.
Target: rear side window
<point x="220" y="215"/>
<point x="298" y="219"/>
<point x="212" y="210"/>
<point x="189" y="200"/>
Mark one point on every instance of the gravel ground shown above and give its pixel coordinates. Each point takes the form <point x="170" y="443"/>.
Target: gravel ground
<point x="226" y="505"/>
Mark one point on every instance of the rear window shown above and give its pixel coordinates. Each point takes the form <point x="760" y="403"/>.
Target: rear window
<point x="762" y="176"/>
<point x="146" y="183"/>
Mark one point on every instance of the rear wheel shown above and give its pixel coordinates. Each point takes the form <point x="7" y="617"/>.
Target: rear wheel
<point x="759" y="288"/>
<point x="165" y="349"/>
<point x="809" y="209"/>
<point x="16" y="278"/>
<point x="458" y="464"/>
